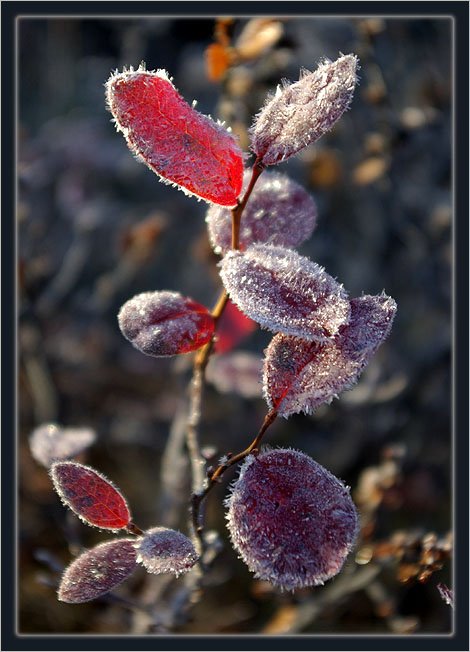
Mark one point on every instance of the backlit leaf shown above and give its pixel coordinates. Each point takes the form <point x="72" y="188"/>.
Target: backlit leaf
<point x="90" y="495"/>
<point x="174" y="140"/>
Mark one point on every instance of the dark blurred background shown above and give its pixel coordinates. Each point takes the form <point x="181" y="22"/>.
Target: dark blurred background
<point x="96" y="227"/>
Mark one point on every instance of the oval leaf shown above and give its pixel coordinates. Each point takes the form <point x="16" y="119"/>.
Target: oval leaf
<point x="292" y="522"/>
<point x="90" y="495"/>
<point x="299" y="376"/>
<point x="285" y="292"/>
<point x="162" y="550"/>
<point x="165" y="323"/>
<point x="98" y="571"/>
<point x="49" y="442"/>
<point x="179" y="144"/>
<point x="280" y="212"/>
<point x="299" y="114"/>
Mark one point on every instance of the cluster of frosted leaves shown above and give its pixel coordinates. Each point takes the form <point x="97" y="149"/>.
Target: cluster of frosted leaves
<point x="279" y="212"/>
<point x="90" y="495"/>
<point x="174" y="140"/>
<point x="236" y="373"/>
<point x="98" y="571"/>
<point x="298" y="375"/>
<point x="292" y="522"/>
<point x="285" y="292"/>
<point x="165" y="323"/>
<point x="49" y="442"/>
<point x="300" y="113"/>
<point x="163" y="550"/>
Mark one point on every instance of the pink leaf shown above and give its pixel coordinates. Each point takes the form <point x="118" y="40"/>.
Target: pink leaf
<point x="179" y="144"/>
<point x="299" y="114"/>
<point x="98" y="571"/>
<point x="50" y="443"/>
<point x="292" y="522"/>
<point x="238" y="372"/>
<point x="279" y="212"/>
<point x="299" y="376"/>
<point x="285" y="292"/>
<point x="232" y="328"/>
<point x="90" y="495"/>
<point x="165" y="323"/>
<point x="162" y="550"/>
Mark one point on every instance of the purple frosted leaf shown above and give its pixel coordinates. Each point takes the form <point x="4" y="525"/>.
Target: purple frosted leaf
<point x="90" y="495"/>
<point x="279" y="212"/>
<point x="292" y="522"/>
<point x="300" y="113"/>
<point x="238" y="373"/>
<point x="176" y="142"/>
<point x="285" y="292"/>
<point x="165" y="323"/>
<point x="50" y="443"/>
<point x="98" y="571"/>
<point x="162" y="550"/>
<point x="299" y="376"/>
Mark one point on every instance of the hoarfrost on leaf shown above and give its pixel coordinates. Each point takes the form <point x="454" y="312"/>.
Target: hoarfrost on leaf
<point x="299" y="114"/>
<point x="298" y="376"/>
<point x="285" y="292"/>
<point x="174" y="140"/>
<point x="165" y="323"/>
<point x="98" y="571"/>
<point x="50" y="442"/>
<point x="292" y="522"/>
<point x="163" y="550"/>
<point x="279" y="212"/>
<point x="90" y="495"/>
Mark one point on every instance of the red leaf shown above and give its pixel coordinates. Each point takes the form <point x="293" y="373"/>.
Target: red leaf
<point x="98" y="570"/>
<point x="299" y="376"/>
<point x="232" y="328"/>
<point x="173" y="139"/>
<point x="90" y="495"/>
<point x="165" y="323"/>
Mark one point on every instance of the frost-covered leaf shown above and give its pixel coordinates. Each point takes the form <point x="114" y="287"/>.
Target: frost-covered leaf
<point x="162" y="550"/>
<point x="279" y="212"/>
<point x="298" y="376"/>
<point x="50" y="442"/>
<point x="98" y="571"/>
<point x="174" y="140"/>
<point x="90" y="495"/>
<point x="232" y="328"/>
<point x="300" y="113"/>
<point x="285" y="292"/>
<point x="291" y="521"/>
<point x="238" y="372"/>
<point x="165" y="323"/>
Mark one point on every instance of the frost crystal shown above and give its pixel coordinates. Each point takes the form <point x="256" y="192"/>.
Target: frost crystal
<point x="285" y="292"/>
<point x="292" y="522"/>
<point x="279" y="212"/>
<point x="176" y="142"/>
<point x="50" y="443"/>
<point x="165" y="323"/>
<point x="162" y="550"/>
<point x="90" y="495"/>
<point x="299" y="376"/>
<point x="98" y="571"/>
<point x="300" y="113"/>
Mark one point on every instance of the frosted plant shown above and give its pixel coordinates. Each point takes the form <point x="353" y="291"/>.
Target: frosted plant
<point x="162" y="550"/>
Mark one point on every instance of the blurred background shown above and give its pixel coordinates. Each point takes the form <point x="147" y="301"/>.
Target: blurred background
<point x="96" y="227"/>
